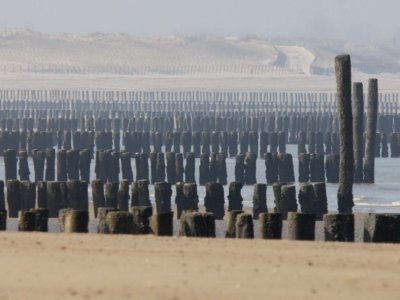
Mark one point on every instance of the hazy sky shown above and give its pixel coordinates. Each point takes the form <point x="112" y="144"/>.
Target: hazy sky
<point x="345" y="19"/>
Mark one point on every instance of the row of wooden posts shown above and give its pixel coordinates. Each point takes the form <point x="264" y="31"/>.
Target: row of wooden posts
<point x="56" y="195"/>
<point x="111" y="207"/>
<point x="292" y="123"/>
<point x="185" y="101"/>
<point x="378" y="228"/>
<point x="75" y="165"/>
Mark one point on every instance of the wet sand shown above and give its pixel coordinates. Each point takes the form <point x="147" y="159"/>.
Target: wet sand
<point x="79" y="266"/>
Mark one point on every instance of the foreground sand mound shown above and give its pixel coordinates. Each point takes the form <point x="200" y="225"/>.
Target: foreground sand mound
<point x="62" y="266"/>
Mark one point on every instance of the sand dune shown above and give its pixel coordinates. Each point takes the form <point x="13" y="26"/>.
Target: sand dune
<point x="27" y="51"/>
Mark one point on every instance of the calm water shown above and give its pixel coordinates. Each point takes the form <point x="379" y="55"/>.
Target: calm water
<point x="383" y="196"/>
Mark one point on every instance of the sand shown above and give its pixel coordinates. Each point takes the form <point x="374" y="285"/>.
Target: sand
<point x="73" y="266"/>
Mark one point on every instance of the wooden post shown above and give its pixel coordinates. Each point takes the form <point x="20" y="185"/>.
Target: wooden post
<point x="346" y="167"/>
<point x="372" y="116"/>
<point x="358" y="130"/>
<point x="98" y="195"/>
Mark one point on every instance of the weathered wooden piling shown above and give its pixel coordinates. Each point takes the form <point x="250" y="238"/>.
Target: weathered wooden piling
<point x="244" y="142"/>
<point x="126" y="166"/>
<point x="23" y="167"/>
<point x="171" y="167"/>
<point x="140" y="193"/>
<point x="231" y="224"/>
<point x="307" y="198"/>
<point x="190" y="167"/>
<point x="384" y="143"/>
<point x="282" y="142"/>
<point x="233" y="145"/>
<point x="240" y="168"/>
<point x="53" y="198"/>
<point x="168" y="140"/>
<point x="346" y="167"/>
<point x="190" y="197"/>
<point x="162" y="224"/>
<point x="285" y="167"/>
<point x="221" y="169"/>
<point x="141" y="219"/>
<point x="61" y="165"/>
<point x="98" y="197"/>
<point x="41" y="194"/>
<point x="3" y="220"/>
<point x="123" y="195"/>
<point x="119" y="222"/>
<point x="179" y="167"/>
<point x="27" y="194"/>
<point x="50" y="164"/>
<point x="76" y="221"/>
<point x="204" y="168"/>
<point x="304" y="167"/>
<point x="370" y="138"/>
<point x="214" y="141"/>
<point x="335" y="143"/>
<point x="194" y="224"/>
<point x="302" y="141"/>
<point x="285" y="199"/>
<point x="394" y="145"/>
<point x="205" y="142"/>
<point x="153" y="167"/>
<point x="73" y="164"/>
<point x="235" y="198"/>
<point x="311" y="142"/>
<point x="358" y="130"/>
<point x="263" y="143"/>
<point x="163" y="193"/>
<point x="179" y="198"/>
<point x="38" y="157"/>
<point x="196" y="138"/>
<point x="332" y="168"/>
<point x="270" y="225"/>
<point x="10" y="164"/>
<point x="377" y="150"/>
<point x="111" y="194"/>
<point x="250" y="177"/>
<point x="77" y="195"/>
<point x="177" y="142"/>
<point x="273" y="142"/>
<point x="301" y="226"/>
<point x="339" y="227"/>
<point x="321" y="200"/>
<point x="213" y="168"/>
<point x="319" y="143"/>
<point x="41" y="217"/>
<point x="85" y="157"/>
<point x="14" y="202"/>
<point x="381" y="228"/>
<point x="328" y="143"/>
<point x="317" y="167"/>
<point x="2" y="198"/>
<point x="160" y="167"/>
<point x="214" y="200"/>
<point x="244" y="226"/>
<point x="259" y="199"/>
<point x="271" y="164"/>
<point x="102" y="225"/>
<point x="26" y="221"/>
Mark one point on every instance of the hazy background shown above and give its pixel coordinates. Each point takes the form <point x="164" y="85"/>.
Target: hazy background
<point x="366" y="20"/>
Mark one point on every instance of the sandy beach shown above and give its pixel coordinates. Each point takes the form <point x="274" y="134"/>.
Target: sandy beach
<point x="77" y="266"/>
